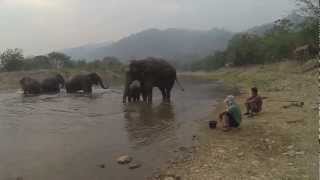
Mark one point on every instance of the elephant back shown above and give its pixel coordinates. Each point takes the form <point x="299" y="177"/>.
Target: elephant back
<point x="153" y="67"/>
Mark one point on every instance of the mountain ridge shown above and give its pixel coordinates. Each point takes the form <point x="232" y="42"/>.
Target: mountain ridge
<point x="169" y="43"/>
<point x="173" y="43"/>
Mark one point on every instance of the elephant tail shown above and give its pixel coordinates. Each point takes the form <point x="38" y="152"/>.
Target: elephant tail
<point x="180" y="86"/>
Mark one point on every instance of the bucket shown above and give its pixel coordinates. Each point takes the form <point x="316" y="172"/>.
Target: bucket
<point x="212" y="124"/>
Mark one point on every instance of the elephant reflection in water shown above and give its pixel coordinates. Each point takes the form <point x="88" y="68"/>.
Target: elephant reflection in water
<point x="145" y="123"/>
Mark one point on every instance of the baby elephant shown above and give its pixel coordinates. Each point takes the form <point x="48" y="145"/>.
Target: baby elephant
<point x="30" y="86"/>
<point x="84" y="82"/>
<point x="133" y="92"/>
<point x="52" y="84"/>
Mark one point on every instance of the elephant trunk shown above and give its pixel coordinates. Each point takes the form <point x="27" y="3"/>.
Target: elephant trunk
<point x="61" y="81"/>
<point x="125" y="95"/>
<point x="102" y="85"/>
<point x="63" y="84"/>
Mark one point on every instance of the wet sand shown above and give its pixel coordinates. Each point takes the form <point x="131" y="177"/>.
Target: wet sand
<point x="63" y="137"/>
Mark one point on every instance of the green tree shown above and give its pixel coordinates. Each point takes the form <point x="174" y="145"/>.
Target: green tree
<point x="81" y="63"/>
<point x="211" y="62"/>
<point x="111" y="63"/>
<point x="309" y="7"/>
<point x="59" y="60"/>
<point x="95" y="65"/>
<point x="37" y="62"/>
<point x="309" y="32"/>
<point x="12" y="59"/>
<point x="245" y="49"/>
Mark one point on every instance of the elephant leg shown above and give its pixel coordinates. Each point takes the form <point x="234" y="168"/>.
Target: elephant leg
<point x="144" y="97"/>
<point x="69" y="90"/>
<point x="163" y="92"/>
<point x="26" y="91"/>
<point x="168" y="94"/>
<point x="56" y="89"/>
<point x="150" y="97"/>
<point x="87" y="89"/>
<point x="133" y="95"/>
<point x="136" y="97"/>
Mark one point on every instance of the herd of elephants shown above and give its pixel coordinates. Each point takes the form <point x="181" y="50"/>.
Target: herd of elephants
<point x="141" y="77"/>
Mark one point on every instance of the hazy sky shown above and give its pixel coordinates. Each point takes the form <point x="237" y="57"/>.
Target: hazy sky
<point x="39" y="26"/>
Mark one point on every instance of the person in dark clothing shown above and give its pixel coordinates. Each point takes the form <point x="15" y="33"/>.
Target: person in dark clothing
<point x="254" y="103"/>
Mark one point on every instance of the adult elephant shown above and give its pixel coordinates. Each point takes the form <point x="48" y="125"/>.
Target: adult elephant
<point x="153" y="72"/>
<point x="84" y="82"/>
<point x="52" y="84"/>
<point x="30" y="86"/>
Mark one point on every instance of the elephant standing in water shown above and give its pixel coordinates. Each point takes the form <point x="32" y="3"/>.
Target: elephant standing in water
<point x="132" y="89"/>
<point x="135" y="90"/>
<point x="84" y="82"/>
<point x="52" y="84"/>
<point x="132" y="92"/>
<point x="152" y="72"/>
<point x="30" y="86"/>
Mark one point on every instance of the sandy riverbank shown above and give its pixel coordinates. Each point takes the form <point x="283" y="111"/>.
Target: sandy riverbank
<point x="279" y="143"/>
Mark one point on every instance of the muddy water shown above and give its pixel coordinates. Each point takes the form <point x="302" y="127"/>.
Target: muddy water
<point x="66" y="137"/>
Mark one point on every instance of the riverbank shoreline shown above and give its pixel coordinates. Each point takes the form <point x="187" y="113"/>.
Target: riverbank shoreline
<point x="279" y="143"/>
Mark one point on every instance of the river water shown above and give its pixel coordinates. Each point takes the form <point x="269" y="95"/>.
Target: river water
<point x="68" y="137"/>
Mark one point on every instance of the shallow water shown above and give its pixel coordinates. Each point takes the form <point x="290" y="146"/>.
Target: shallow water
<point x="67" y="137"/>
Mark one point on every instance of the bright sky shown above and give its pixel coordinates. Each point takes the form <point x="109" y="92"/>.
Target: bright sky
<point x="40" y="26"/>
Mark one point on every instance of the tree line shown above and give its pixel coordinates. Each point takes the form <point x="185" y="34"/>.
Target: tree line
<point x="277" y="44"/>
<point x="14" y="60"/>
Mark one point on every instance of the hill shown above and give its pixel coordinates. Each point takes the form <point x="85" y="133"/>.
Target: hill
<point x="84" y="51"/>
<point x="172" y="44"/>
<point x="294" y="18"/>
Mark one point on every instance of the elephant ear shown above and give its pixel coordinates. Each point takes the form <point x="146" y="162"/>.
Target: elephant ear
<point x="146" y="69"/>
<point x="60" y="78"/>
<point x="25" y="80"/>
<point x="22" y="80"/>
<point x="133" y="67"/>
<point x="93" y="78"/>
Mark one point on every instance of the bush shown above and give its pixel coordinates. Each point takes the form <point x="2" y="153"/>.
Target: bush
<point x="12" y="60"/>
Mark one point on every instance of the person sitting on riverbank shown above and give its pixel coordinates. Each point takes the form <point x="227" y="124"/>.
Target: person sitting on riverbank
<point x="254" y="103"/>
<point x="232" y="116"/>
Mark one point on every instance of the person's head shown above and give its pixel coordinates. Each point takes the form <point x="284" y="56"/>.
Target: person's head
<point x="229" y="100"/>
<point x="254" y="91"/>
